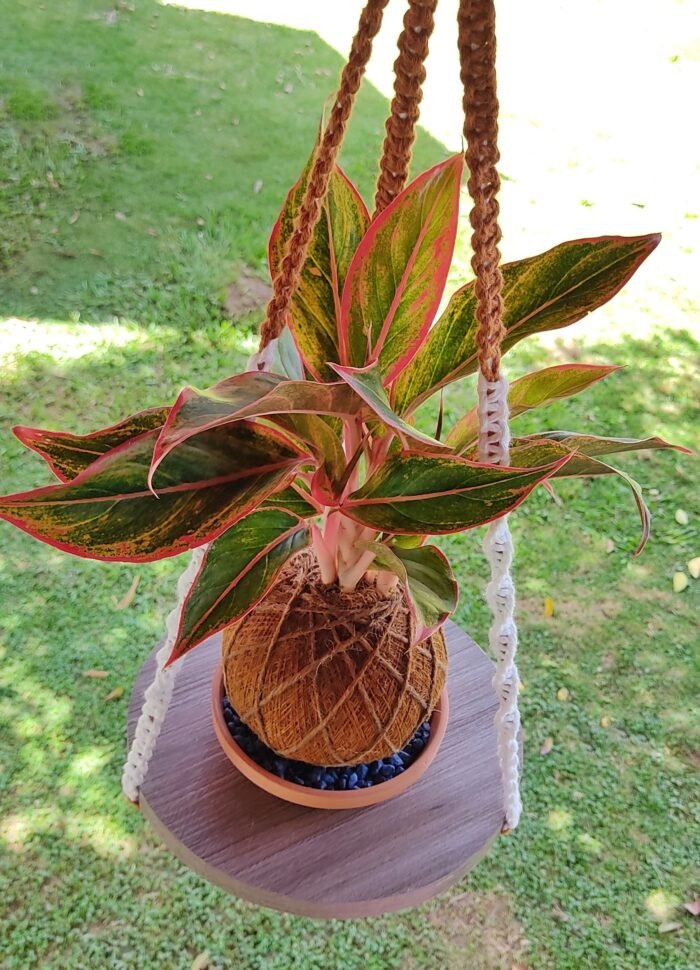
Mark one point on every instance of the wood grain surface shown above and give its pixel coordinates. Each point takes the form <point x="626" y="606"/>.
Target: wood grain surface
<point x="325" y="864"/>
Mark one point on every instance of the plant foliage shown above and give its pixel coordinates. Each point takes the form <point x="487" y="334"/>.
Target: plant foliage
<point x="326" y="450"/>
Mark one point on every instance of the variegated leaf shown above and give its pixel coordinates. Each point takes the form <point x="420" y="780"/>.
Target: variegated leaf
<point x="367" y="384"/>
<point x="434" y="494"/>
<point x="396" y="278"/>
<point x="69" y="454"/>
<point x="533" y="391"/>
<point x="236" y="573"/>
<point x="254" y="394"/>
<point x="315" y="307"/>
<point x="109" y="513"/>
<point x="545" y="292"/>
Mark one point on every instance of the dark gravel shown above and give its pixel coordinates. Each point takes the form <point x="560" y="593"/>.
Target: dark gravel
<point x="326" y="779"/>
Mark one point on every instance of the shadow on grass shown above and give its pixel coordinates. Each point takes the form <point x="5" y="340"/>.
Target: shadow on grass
<point x="177" y="118"/>
<point x="82" y="880"/>
<point x="149" y="149"/>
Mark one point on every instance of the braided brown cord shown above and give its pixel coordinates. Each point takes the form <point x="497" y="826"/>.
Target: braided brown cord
<point x="409" y="75"/>
<point x="286" y="281"/>
<point x="477" y="47"/>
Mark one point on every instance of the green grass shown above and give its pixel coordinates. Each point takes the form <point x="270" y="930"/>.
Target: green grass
<point x="607" y="846"/>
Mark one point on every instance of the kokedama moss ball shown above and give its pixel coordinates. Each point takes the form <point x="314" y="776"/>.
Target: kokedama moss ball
<point x="331" y="677"/>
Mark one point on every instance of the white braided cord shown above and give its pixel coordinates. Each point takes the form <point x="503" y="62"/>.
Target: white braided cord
<point x="494" y="445"/>
<point x="157" y="696"/>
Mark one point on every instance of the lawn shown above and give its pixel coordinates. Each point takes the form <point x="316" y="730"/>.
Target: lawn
<point x="144" y="153"/>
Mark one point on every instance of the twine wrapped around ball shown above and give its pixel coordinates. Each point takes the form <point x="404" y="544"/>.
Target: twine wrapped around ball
<point x="331" y="677"/>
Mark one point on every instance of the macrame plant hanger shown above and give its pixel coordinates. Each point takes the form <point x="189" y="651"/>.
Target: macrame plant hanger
<point x="477" y="48"/>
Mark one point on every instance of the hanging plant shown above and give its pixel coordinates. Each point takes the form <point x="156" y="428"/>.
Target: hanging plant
<point x="313" y="488"/>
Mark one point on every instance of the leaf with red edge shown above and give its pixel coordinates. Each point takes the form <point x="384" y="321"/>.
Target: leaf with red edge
<point x="544" y="292"/>
<point x="293" y="500"/>
<point x="396" y="278"/>
<point x="584" y="464"/>
<point x="432" y="586"/>
<point x="69" y="454"/>
<point x="108" y="512"/>
<point x="322" y="439"/>
<point x="436" y="494"/>
<point x="236" y="573"/>
<point x="254" y="394"/>
<point x="315" y="306"/>
<point x="367" y="384"/>
<point x="533" y="391"/>
<point x="592" y="444"/>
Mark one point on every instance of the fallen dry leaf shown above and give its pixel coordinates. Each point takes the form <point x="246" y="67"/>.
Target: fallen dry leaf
<point x="152" y="232"/>
<point x="200" y="221"/>
<point x="609" y="545"/>
<point x="563" y="694"/>
<point x="670" y="927"/>
<point x="74" y="218"/>
<point x="201" y="961"/>
<point x="693" y="908"/>
<point x="96" y="674"/>
<point x="547" y="746"/>
<point x="681" y="517"/>
<point x="139" y="92"/>
<point x="680" y="582"/>
<point x="694" y="567"/>
<point x="115" y="694"/>
<point x="128" y="597"/>
<point x="120" y="216"/>
<point x="605" y="721"/>
<point x="549" y="606"/>
<point x="95" y="252"/>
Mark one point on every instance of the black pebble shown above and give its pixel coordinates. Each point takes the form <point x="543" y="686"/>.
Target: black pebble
<point x="325" y="779"/>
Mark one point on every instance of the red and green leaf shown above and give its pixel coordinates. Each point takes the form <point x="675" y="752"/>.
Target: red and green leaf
<point x="315" y="306"/>
<point x="109" y="513"/>
<point x="592" y="445"/>
<point x="366" y="382"/>
<point x="545" y="292"/>
<point x="584" y="463"/>
<point x="254" y="394"/>
<point x="533" y="391"/>
<point x="322" y="437"/>
<point x="294" y="500"/>
<point x="431" y="584"/>
<point x="397" y="276"/>
<point x="67" y="455"/>
<point x="236" y="573"/>
<point x="414" y="492"/>
<point x="426" y="574"/>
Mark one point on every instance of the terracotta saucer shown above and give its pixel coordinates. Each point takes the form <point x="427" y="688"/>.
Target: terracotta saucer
<point x="316" y="797"/>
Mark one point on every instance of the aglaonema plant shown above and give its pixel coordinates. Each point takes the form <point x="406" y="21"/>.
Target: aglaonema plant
<point x="324" y="450"/>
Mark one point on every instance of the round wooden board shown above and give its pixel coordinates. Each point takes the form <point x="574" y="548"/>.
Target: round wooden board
<point x="338" y="865"/>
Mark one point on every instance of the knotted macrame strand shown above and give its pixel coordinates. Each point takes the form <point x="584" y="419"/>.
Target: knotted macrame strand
<point x="477" y="47"/>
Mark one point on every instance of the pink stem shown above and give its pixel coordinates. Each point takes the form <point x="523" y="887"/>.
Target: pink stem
<point x="351" y="577"/>
<point x="326" y="559"/>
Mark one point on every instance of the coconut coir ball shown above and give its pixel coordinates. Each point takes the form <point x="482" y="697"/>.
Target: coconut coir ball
<point x="331" y="677"/>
